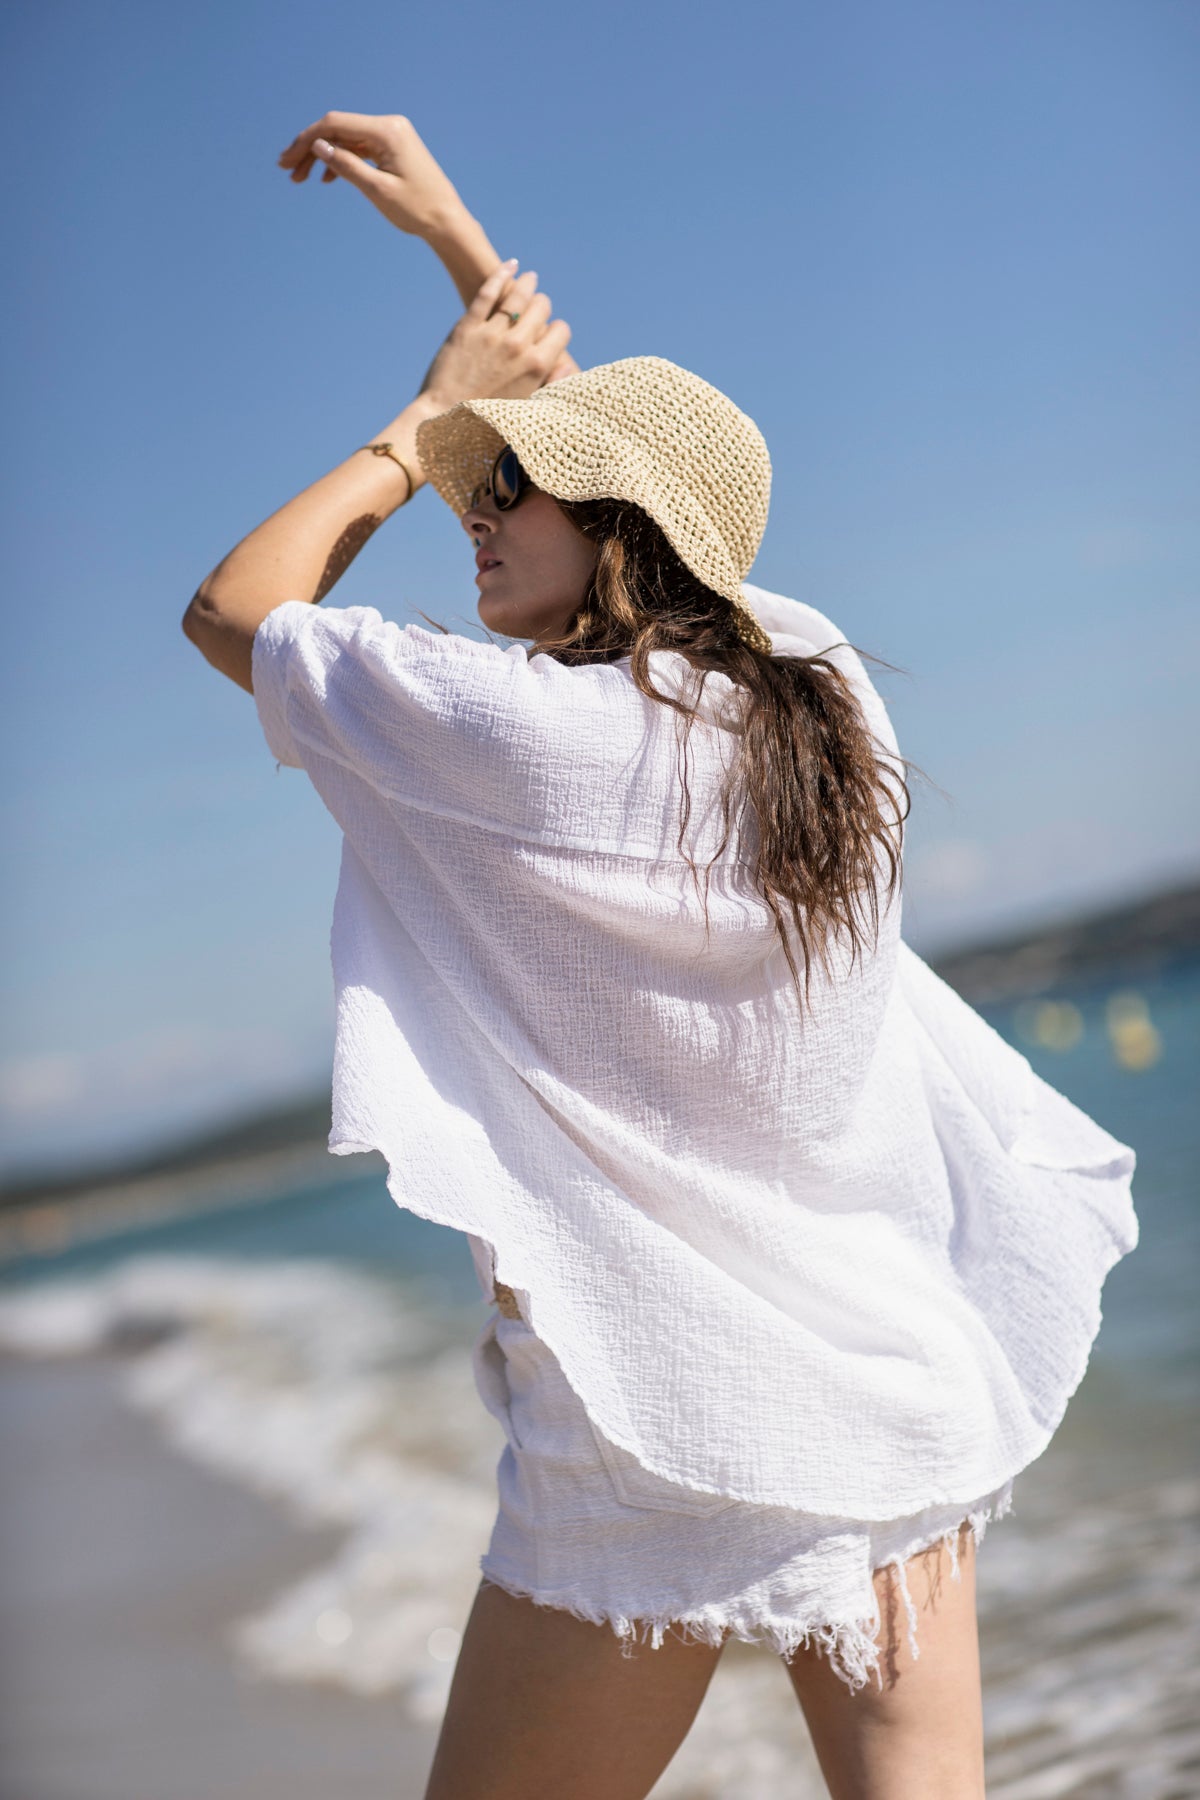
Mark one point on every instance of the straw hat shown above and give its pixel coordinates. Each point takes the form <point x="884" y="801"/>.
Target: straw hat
<point x="642" y="430"/>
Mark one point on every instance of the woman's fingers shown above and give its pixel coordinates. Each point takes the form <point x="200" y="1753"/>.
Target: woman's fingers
<point x="361" y="133"/>
<point x="531" y="326"/>
<point x="552" y="349"/>
<point x="566" y="365"/>
<point x="310" y="160"/>
<point x="489" y="293"/>
<point x="486" y="353"/>
<point x="533" y="315"/>
<point x="382" y="156"/>
<point x="348" y="164"/>
<point x="517" y="298"/>
<point x="365" y="132"/>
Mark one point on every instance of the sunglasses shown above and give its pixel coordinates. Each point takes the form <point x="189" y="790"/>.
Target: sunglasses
<point x="506" y="483"/>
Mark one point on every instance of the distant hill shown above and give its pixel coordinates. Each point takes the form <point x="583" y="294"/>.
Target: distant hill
<point x="243" y="1141"/>
<point x="1126" y="942"/>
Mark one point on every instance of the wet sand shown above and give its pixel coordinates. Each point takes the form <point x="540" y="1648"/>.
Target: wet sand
<point x="116" y="1596"/>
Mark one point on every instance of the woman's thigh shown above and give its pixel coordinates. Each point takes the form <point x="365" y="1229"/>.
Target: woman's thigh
<point x="920" y="1735"/>
<point x="546" y="1705"/>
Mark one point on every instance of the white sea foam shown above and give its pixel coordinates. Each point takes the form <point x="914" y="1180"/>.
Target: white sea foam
<point x="348" y="1401"/>
<point x="334" y="1394"/>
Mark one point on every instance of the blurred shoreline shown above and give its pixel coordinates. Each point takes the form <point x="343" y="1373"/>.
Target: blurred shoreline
<point x="1134" y="941"/>
<point x="63" y="1216"/>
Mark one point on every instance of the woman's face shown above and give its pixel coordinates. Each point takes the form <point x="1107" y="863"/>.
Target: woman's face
<point x="534" y="565"/>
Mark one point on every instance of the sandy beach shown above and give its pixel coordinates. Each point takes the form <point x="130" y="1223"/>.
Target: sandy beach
<point x="116" y="1594"/>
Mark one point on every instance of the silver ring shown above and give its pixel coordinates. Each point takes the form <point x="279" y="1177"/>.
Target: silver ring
<point x="513" y="317"/>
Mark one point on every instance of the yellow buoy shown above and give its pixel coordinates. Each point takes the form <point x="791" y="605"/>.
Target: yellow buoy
<point x="1135" y="1039"/>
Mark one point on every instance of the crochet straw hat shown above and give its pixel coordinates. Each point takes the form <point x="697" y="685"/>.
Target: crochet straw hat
<point x="642" y="430"/>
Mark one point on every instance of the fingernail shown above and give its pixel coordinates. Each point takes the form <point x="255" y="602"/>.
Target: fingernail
<point x="510" y="264"/>
<point x="323" y="149"/>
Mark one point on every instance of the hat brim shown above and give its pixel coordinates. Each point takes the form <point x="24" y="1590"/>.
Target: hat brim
<point x="458" y="448"/>
<point x="575" y="451"/>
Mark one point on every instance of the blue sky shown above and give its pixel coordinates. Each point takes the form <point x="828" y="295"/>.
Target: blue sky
<point x="945" y="254"/>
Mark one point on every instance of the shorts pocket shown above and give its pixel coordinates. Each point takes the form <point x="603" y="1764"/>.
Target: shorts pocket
<point x="635" y="1485"/>
<point x="491" y="1378"/>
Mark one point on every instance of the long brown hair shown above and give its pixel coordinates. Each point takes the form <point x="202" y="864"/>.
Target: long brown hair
<point x="806" y="761"/>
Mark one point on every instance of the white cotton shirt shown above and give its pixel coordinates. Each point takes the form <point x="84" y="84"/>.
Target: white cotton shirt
<point x="843" y="1256"/>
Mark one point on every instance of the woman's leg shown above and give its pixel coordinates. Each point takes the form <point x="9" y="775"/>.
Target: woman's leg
<point x="921" y="1737"/>
<point x="544" y="1705"/>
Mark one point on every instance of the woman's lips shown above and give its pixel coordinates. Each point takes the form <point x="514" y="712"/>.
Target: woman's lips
<point x="489" y="563"/>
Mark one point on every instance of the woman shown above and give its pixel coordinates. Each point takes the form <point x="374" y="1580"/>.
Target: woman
<point x="795" y="1264"/>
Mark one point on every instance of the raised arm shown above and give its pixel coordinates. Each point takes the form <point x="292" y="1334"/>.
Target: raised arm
<point x="304" y="547"/>
<point x="404" y="181"/>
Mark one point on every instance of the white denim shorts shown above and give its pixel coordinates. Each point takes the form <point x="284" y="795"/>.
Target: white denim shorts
<point x="583" y="1527"/>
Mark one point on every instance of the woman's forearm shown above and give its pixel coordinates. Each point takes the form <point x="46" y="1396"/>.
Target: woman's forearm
<point x="306" y="546"/>
<point x="462" y="245"/>
<point x="460" y="242"/>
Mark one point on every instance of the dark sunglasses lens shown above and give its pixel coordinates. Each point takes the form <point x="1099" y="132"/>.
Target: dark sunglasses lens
<point x="508" y="478"/>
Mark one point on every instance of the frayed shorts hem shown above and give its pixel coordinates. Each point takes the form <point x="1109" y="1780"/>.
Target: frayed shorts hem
<point x="850" y="1645"/>
<point x="584" y="1529"/>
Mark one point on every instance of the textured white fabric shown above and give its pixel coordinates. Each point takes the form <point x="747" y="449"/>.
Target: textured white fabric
<point x="846" y="1259"/>
<point x="582" y="1526"/>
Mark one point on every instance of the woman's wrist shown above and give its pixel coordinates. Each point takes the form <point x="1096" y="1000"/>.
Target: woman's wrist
<point x="461" y="244"/>
<point x="401" y="433"/>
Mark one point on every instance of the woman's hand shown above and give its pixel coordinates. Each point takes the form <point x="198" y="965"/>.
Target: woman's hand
<point x="487" y="356"/>
<point x="407" y="183"/>
<point x="412" y="191"/>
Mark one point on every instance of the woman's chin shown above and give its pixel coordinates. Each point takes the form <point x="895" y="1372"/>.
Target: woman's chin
<point x="499" y="616"/>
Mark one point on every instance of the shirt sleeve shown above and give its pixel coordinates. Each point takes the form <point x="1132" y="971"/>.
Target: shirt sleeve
<point x="389" y="720"/>
<point x="268" y="678"/>
<point x="397" y="709"/>
<point x="470" y="731"/>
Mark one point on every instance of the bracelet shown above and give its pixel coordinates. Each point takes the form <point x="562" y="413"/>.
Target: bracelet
<point x="389" y="450"/>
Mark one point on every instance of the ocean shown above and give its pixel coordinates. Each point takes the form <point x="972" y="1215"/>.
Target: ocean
<point x="314" y="1346"/>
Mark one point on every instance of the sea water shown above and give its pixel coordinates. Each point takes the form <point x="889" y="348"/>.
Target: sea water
<point x="315" y="1346"/>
